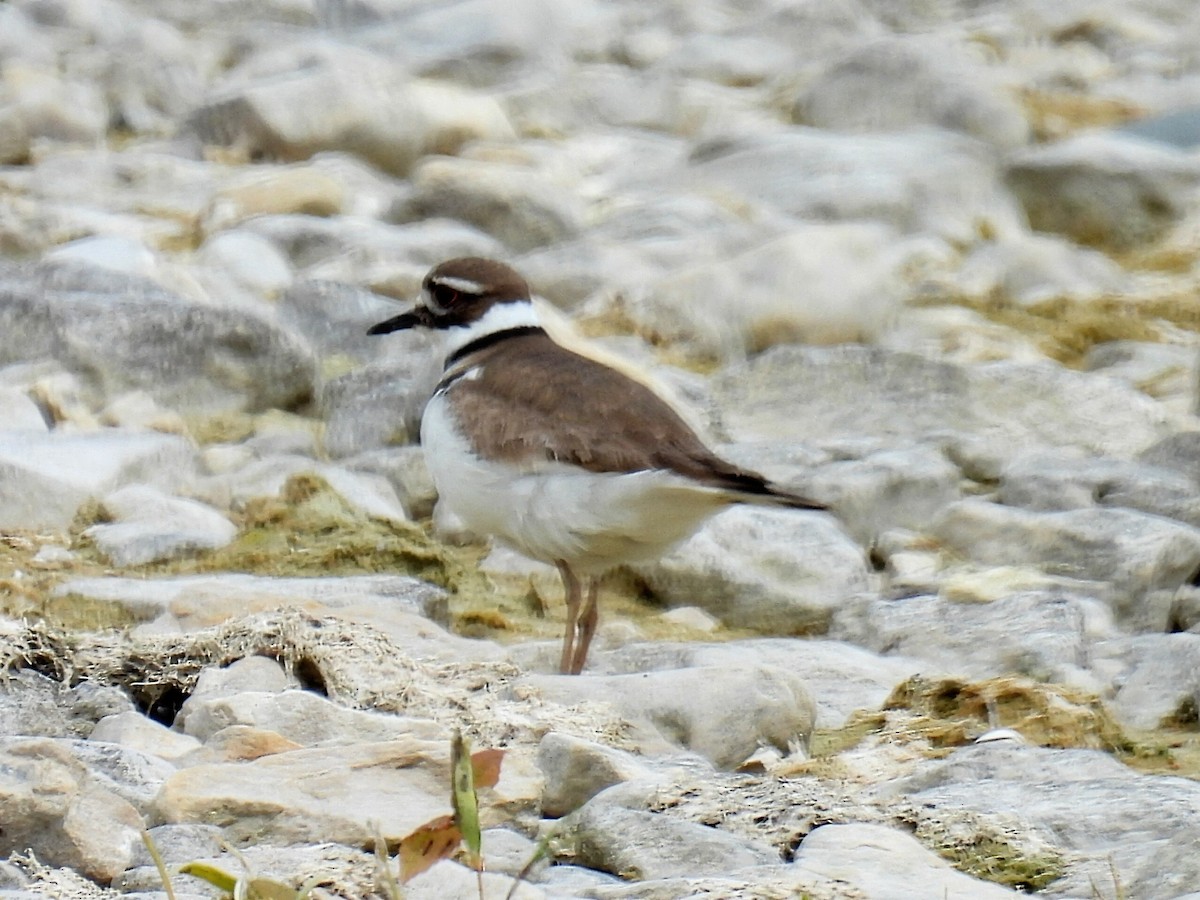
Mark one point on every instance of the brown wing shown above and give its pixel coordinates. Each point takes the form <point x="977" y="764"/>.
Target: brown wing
<point x="608" y="422"/>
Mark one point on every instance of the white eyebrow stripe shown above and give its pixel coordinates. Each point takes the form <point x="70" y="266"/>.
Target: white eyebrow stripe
<point x="465" y="285"/>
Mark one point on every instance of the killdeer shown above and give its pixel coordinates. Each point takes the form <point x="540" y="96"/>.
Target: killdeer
<point x="559" y="456"/>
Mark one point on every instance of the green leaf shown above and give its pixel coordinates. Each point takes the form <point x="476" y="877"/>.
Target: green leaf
<point x="464" y="801"/>
<point x="218" y="878"/>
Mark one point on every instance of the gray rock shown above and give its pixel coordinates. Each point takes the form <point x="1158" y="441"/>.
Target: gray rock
<point x="130" y="774"/>
<point x="180" y="844"/>
<point x="818" y="284"/>
<point x="925" y="181"/>
<point x="300" y="716"/>
<point x="781" y="572"/>
<point x="125" y="333"/>
<point x="1177" y="452"/>
<point x="900" y="488"/>
<point x="887" y="864"/>
<point x="359" y="250"/>
<point x="852" y="392"/>
<point x="32" y="704"/>
<point x="517" y="205"/>
<point x="639" y="845"/>
<point x="214" y="597"/>
<point x="1165" y="371"/>
<point x="842" y="678"/>
<point x="1104" y="189"/>
<point x="911" y="81"/>
<point x="150" y="525"/>
<point x="1135" y="553"/>
<point x="336" y="97"/>
<point x="1156" y="677"/>
<point x="62" y="812"/>
<point x="723" y="713"/>
<point x="1045" y="634"/>
<point x="43" y="483"/>
<point x="378" y="406"/>
<point x="1104" y="815"/>
<point x="334" y="317"/>
<point x="575" y="770"/>
<point x="1179" y="129"/>
<point x="1042" y="480"/>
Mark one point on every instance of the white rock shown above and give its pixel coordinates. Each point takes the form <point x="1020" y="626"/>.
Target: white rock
<point x="118" y="254"/>
<point x="851" y="392"/>
<point x="781" y="572"/>
<point x="1156" y="676"/>
<point x="842" y="677"/>
<point x="518" y="206"/>
<point x="1030" y="269"/>
<point x="19" y="413"/>
<point x="911" y="81"/>
<point x="344" y="99"/>
<point x="248" y="260"/>
<point x="200" y="600"/>
<point x="888" y="864"/>
<point x="43" y="480"/>
<point x="150" y="525"/>
<point x="314" y="795"/>
<point x="136" y="731"/>
<point x="1136" y="554"/>
<point x="721" y="712"/>
<point x="925" y="181"/>
<point x="300" y="716"/>
<point x="819" y="284"/>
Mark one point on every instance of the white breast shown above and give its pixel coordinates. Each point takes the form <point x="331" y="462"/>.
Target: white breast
<point x="593" y="521"/>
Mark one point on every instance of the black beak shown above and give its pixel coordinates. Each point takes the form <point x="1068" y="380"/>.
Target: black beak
<point x="415" y="318"/>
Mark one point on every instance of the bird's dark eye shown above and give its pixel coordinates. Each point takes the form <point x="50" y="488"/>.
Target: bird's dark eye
<point x="444" y="295"/>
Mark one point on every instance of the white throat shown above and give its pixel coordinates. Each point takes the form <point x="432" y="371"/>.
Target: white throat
<point x="501" y="317"/>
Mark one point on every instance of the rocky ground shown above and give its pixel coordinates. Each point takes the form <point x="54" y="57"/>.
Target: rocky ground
<point x="935" y="263"/>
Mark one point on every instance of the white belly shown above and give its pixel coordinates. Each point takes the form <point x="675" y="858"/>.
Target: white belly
<point x="592" y="521"/>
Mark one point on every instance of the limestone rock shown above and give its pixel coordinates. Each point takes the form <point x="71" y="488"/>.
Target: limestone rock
<point x="723" y="713"/>
<point x="519" y="207"/>
<point x="149" y="525"/>
<point x="1135" y="553"/>
<point x="852" y="391"/>
<point x="887" y="863"/>
<point x="197" y="600"/>
<point x="305" y="795"/>
<point x="65" y="814"/>
<point x="920" y="181"/>
<point x="345" y="99"/>
<point x="1104" y="189"/>
<point x="575" y="770"/>
<point x="125" y="333"/>
<point x="43" y="484"/>
<point x="781" y="572"/>
<point x="639" y="845"/>
<point x="907" y="82"/>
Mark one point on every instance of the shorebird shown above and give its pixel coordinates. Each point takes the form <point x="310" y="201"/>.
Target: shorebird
<point x="557" y="455"/>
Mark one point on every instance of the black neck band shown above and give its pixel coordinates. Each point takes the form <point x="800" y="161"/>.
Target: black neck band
<point x="487" y="340"/>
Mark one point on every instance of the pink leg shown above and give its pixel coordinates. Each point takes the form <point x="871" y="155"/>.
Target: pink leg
<point x="588" y="618"/>
<point x="574" y="593"/>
